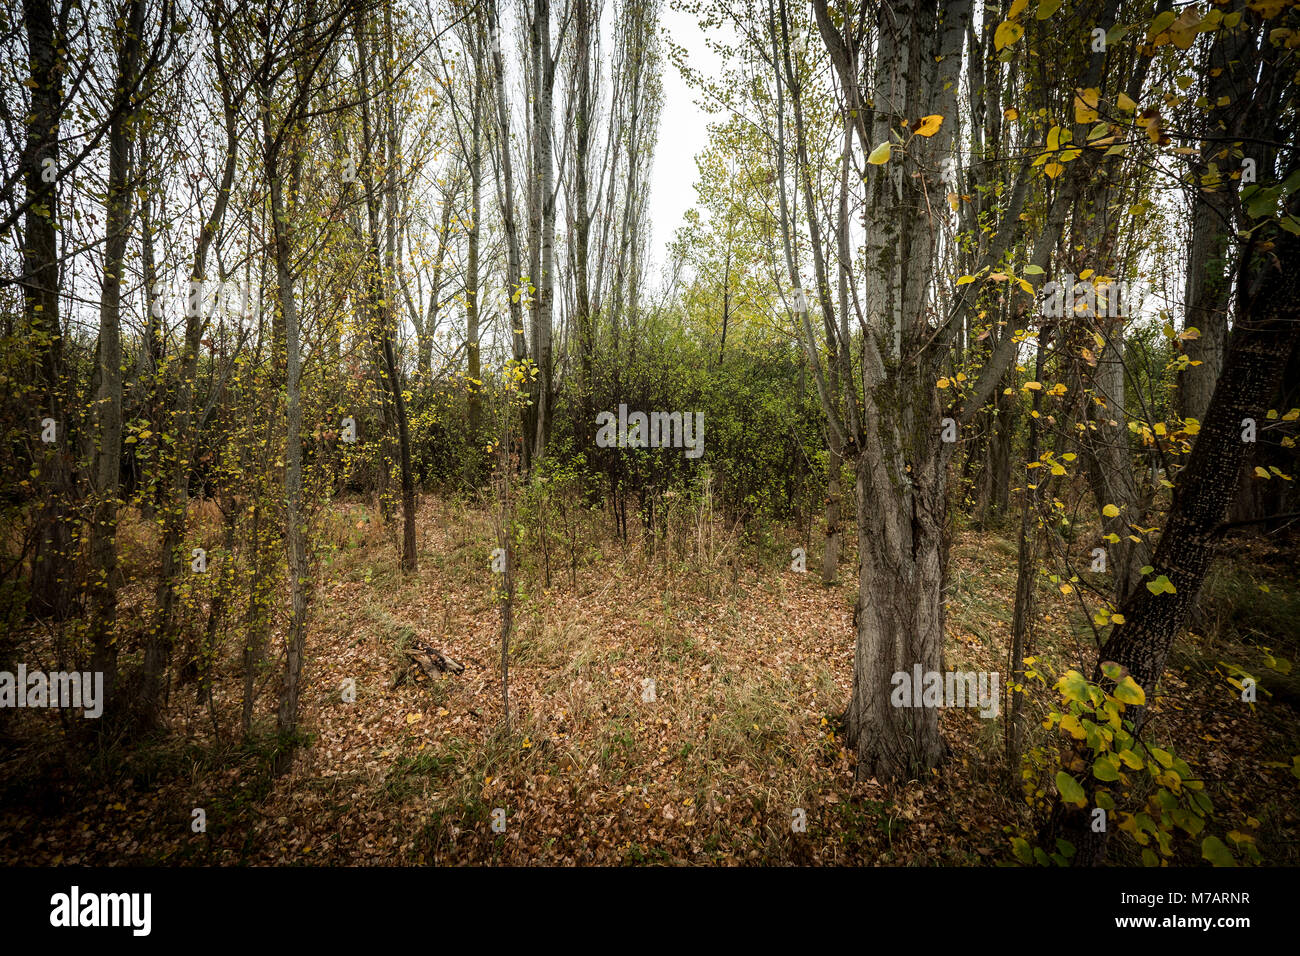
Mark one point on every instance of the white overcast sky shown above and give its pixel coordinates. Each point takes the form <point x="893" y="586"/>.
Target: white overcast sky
<point x="683" y="134"/>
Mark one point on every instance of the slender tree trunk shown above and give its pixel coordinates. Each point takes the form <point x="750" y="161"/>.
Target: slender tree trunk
<point x="582" y="120"/>
<point x="1208" y="284"/>
<point x="542" y="224"/>
<point x="472" y="279"/>
<point x="295" y="523"/>
<point x="108" y="411"/>
<point x="1026" y="576"/>
<point x="506" y="195"/>
<point x="158" y="641"/>
<point x="381" y="306"/>
<point x="1263" y="341"/>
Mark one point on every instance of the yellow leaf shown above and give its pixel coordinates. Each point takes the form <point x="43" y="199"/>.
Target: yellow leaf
<point x="1126" y="102"/>
<point x="929" y="125"/>
<point x="1007" y="33"/>
<point x="412" y="717"/>
<point x="880" y="155"/>
<point x="1110" y="511"/>
<point x="1085" y="106"/>
<point x="1053" y="170"/>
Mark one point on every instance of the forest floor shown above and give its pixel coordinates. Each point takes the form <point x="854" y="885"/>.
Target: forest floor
<point x="751" y="666"/>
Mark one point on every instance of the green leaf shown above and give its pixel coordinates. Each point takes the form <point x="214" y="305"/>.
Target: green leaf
<point x="1131" y="759"/>
<point x="1165" y="758"/>
<point x="1069" y="789"/>
<point x="1128" y="691"/>
<point x="1073" y="686"/>
<point x="1047" y="7"/>
<point x="1214" y="850"/>
<point x="880" y="155"/>
<point x="1022" y="850"/>
<point x="1160" y="23"/>
<point x="1161" y="585"/>
<point x="1116" y="33"/>
<point x="1104" y="768"/>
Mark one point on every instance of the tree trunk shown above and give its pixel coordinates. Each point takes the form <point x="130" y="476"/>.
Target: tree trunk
<point x="108" y="410"/>
<point x="177" y="475"/>
<point x="1262" y="343"/>
<point x="295" y="527"/>
<point x="52" y="586"/>
<point x="381" y="306"/>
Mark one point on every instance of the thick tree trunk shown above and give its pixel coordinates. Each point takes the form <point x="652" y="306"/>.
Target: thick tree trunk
<point x="52" y="586"/>
<point x="900" y="618"/>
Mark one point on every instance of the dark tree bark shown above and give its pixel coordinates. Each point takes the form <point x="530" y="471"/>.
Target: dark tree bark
<point x="1261" y="345"/>
<point x="52" y="581"/>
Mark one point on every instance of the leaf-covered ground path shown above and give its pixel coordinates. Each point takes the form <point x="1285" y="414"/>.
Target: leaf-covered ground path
<point x="750" y="668"/>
